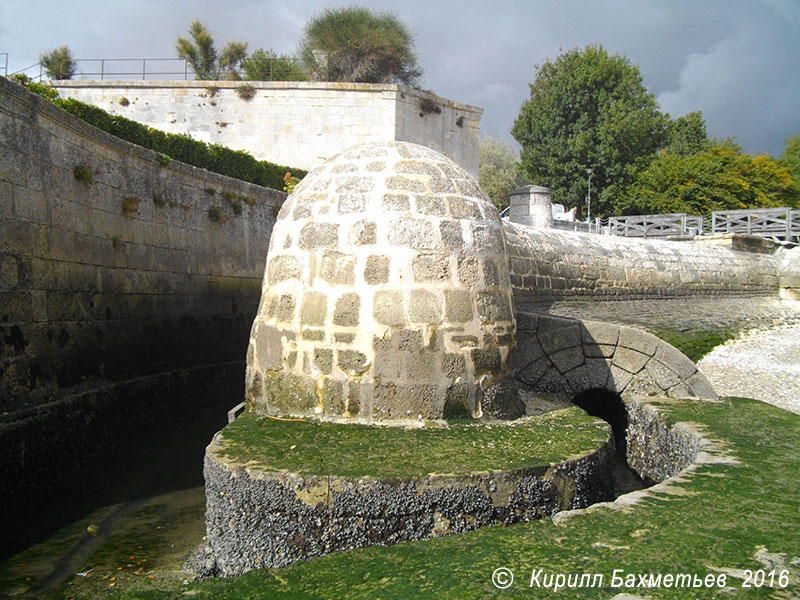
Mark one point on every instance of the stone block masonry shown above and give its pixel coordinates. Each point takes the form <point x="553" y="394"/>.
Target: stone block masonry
<point x="553" y="264"/>
<point x="110" y="262"/>
<point x="386" y="294"/>
<point x="292" y="123"/>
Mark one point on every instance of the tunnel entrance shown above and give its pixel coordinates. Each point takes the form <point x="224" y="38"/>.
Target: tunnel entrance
<point x="609" y="406"/>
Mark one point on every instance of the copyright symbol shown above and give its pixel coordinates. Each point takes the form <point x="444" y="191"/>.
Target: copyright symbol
<point x="502" y="578"/>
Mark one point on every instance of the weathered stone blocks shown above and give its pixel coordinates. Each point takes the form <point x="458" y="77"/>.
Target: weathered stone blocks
<point x="390" y="290"/>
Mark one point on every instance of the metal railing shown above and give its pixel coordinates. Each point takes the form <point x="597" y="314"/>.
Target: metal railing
<point x="780" y="224"/>
<point x="650" y="226"/>
<point x="4" y="60"/>
<point x="139" y="69"/>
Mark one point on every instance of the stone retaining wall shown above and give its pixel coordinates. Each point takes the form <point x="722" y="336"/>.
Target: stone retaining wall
<point x="117" y="270"/>
<point x="549" y="263"/>
<point x="111" y="271"/>
<point x="656" y="447"/>
<point x="257" y="519"/>
<point x="298" y="123"/>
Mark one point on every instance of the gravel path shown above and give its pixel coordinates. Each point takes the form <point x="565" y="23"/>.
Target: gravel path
<point x="763" y="364"/>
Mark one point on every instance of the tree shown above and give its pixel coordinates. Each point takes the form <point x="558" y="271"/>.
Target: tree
<point x="202" y="55"/>
<point x="721" y="177"/>
<point x="356" y="44"/>
<point x="499" y="171"/>
<point x="265" y="65"/>
<point x="588" y="110"/>
<point x="58" y="63"/>
<point x="687" y="134"/>
<point x="791" y="157"/>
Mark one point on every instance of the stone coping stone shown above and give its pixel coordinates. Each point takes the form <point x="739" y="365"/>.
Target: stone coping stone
<point x="304" y="489"/>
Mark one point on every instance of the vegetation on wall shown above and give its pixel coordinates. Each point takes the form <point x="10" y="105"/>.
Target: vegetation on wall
<point x="213" y="157"/>
<point x="203" y="56"/>
<point x="357" y="44"/>
<point x="266" y="65"/>
<point x="58" y="63"/>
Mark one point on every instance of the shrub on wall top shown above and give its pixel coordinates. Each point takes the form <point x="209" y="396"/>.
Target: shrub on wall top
<point x="213" y="157"/>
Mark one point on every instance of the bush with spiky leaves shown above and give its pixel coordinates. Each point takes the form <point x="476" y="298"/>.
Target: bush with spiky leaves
<point x="58" y="63"/>
<point x="265" y="65"/>
<point x="358" y="45"/>
<point x="202" y="55"/>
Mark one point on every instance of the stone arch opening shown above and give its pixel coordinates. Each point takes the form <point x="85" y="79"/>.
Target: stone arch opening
<point x="609" y="406"/>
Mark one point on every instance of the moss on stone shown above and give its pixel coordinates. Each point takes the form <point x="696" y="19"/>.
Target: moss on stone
<point x="351" y="450"/>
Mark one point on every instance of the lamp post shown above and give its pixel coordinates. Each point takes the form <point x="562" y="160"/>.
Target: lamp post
<point x="589" y="172"/>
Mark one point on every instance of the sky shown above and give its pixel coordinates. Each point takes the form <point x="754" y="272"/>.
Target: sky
<point x="737" y="61"/>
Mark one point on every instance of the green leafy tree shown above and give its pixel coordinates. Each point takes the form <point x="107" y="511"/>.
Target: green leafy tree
<point x="499" y="171"/>
<point x="791" y="157"/>
<point x="721" y="177"/>
<point x="687" y="134"/>
<point x="588" y="110"/>
<point x="58" y="63"/>
<point x="356" y="44"/>
<point x="265" y="65"/>
<point x="202" y="55"/>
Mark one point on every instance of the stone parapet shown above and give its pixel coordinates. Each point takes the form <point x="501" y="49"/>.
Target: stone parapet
<point x="563" y="264"/>
<point x="299" y="123"/>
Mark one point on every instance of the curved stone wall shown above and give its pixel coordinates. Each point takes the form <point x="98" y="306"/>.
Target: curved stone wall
<point x="257" y="519"/>
<point x="110" y="263"/>
<point x="549" y="263"/>
<point x="556" y="355"/>
<point x="386" y="294"/>
<point x="120" y="297"/>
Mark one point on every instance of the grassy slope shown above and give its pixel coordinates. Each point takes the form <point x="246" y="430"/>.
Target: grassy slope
<point x="716" y="517"/>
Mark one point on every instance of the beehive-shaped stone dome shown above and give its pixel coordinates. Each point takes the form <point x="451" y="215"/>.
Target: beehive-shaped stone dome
<point x="386" y="295"/>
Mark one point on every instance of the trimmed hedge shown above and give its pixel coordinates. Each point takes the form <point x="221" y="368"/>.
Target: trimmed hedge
<point x="213" y="157"/>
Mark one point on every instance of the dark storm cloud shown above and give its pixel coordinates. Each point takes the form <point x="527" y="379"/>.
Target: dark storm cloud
<point x="733" y="60"/>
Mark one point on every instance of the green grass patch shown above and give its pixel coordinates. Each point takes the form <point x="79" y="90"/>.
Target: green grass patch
<point x="720" y="516"/>
<point x="351" y="450"/>
<point x="696" y="343"/>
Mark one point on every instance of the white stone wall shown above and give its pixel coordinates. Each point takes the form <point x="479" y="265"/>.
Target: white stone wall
<point x="299" y="124"/>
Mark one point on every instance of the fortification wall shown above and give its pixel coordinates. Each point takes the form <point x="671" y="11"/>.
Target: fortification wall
<point x="118" y="270"/>
<point x="553" y="264"/>
<point x="292" y="123"/>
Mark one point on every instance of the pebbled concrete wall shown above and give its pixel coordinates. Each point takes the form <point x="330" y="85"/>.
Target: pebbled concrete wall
<point x="292" y="123"/>
<point x="257" y="519"/>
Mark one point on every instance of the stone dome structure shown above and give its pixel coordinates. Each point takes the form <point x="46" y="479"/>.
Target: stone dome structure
<point x="386" y="295"/>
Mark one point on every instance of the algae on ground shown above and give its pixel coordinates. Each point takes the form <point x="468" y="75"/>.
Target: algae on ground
<point x="719" y="518"/>
<point x="356" y="450"/>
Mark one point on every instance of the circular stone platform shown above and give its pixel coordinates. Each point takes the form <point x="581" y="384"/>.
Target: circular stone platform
<point x="279" y="491"/>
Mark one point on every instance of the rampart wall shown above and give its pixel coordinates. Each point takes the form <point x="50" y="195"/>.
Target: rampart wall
<point x="292" y="123"/>
<point x="554" y="264"/>
<point x="117" y="290"/>
<point x="120" y="268"/>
